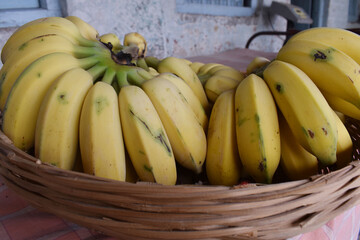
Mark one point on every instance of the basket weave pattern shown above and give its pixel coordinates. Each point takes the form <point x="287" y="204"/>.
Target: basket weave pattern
<point x="151" y="211"/>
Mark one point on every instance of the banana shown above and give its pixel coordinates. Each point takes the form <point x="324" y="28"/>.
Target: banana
<point x="24" y="100"/>
<point x="331" y="70"/>
<point x="257" y="129"/>
<point x="189" y="97"/>
<point x="86" y="30"/>
<point x="113" y="39"/>
<point x="195" y="66"/>
<point x="204" y="69"/>
<point x="145" y="137"/>
<point x="136" y="39"/>
<point x="216" y="85"/>
<point x="256" y="63"/>
<point x="56" y="133"/>
<point x="223" y="165"/>
<point x="340" y="105"/>
<point x="344" y="147"/>
<point x="186" y="135"/>
<point x="100" y="134"/>
<point x="342" y="39"/>
<point x="178" y="67"/>
<point x="41" y="27"/>
<point x="296" y="162"/>
<point x="228" y="72"/>
<point x="305" y="109"/>
<point x="29" y="52"/>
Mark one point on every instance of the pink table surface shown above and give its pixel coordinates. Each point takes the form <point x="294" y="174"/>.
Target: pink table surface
<point x="20" y="221"/>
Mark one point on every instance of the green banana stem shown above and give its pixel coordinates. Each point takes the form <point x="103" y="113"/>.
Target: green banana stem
<point x="109" y="76"/>
<point x="97" y="71"/>
<point x="203" y="78"/>
<point x="82" y="52"/>
<point x="152" y="62"/>
<point x="135" y="78"/>
<point x="142" y="64"/>
<point x="121" y="79"/>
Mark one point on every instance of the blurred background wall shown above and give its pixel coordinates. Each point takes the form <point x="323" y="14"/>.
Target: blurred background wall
<point x="170" y="32"/>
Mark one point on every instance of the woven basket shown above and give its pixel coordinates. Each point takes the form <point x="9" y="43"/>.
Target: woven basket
<point x="151" y="211"/>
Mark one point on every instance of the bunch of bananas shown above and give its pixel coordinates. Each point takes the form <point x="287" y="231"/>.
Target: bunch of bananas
<point x="72" y="97"/>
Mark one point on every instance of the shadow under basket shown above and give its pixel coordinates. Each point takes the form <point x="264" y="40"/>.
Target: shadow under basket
<point x="153" y="211"/>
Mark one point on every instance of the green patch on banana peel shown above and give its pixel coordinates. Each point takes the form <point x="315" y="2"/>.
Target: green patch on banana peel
<point x="23" y="46"/>
<point x="62" y="98"/>
<point x="147" y="168"/>
<point x="158" y="135"/>
<point x="100" y="104"/>
<point x="319" y="55"/>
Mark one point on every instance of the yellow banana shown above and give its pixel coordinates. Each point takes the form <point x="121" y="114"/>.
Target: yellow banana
<point x="57" y="126"/>
<point x="100" y="134"/>
<point x="344" y="149"/>
<point x="340" y="105"/>
<point x="223" y="166"/>
<point x="330" y="69"/>
<point x="228" y="72"/>
<point x="195" y="66"/>
<point x="256" y="63"/>
<point x="216" y="85"/>
<point x="145" y="137"/>
<point x="204" y="69"/>
<point x="86" y="30"/>
<point x="186" y="135"/>
<point x="113" y="39"/>
<point x="257" y="129"/>
<point x="342" y="39"/>
<point x="178" y="67"/>
<point x="136" y="39"/>
<point x="24" y="100"/>
<point x="190" y="98"/>
<point x="29" y="52"/>
<point x="44" y="26"/>
<point x="296" y="162"/>
<point x="305" y="109"/>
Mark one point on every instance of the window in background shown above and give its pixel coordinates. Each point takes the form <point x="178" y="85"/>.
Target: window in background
<point x="354" y="6"/>
<point x="14" y="13"/>
<point x="231" y="8"/>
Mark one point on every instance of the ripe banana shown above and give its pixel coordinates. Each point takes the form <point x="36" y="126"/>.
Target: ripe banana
<point x="86" y="30"/>
<point x="256" y="63"/>
<point x="113" y="39"/>
<point x="339" y="38"/>
<point x="56" y="134"/>
<point x="41" y="27"/>
<point x="24" y="100"/>
<point x="305" y="109"/>
<point x="217" y="84"/>
<point x="189" y="97"/>
<point x="29" y="52"/>
<point x="145" y="137"/>
<point x="186" y="135"/>
<point x="296" y="162"/>
<point x="178" y="67"/>
<point x="344" y="147"/>
<point x="340" y="105"/>
<point x="136" y="39"/>
<point x="195" y="66"/>
<point x="203" y="72"/>
<point x="100" y="134"/>
<point x="257" y="129"/>
<point x="223" y="165"/>
<point x="331" y="70"/>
